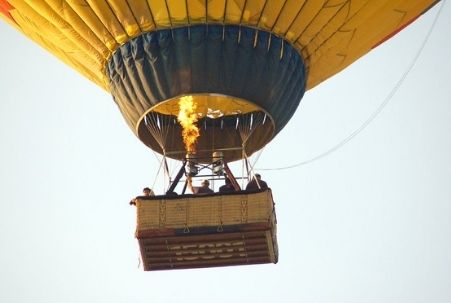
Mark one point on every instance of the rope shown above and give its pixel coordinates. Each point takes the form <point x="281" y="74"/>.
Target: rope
<point x="156" y="175"/>
<point x="151" y="122"/>
<point x="373" y="116"/>
<point x="164" y="163"/>
<point x="243" y="166"/>
<point x="158" y="127"/>
<point x="259" y="153"/>
<point x="250" y="122"/>
<point x="252" y="165"/>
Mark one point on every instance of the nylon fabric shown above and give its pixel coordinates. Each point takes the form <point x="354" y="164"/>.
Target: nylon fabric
<point x="330" y="35"/>
<point x="197" y="60"/>
<point x="257" y="52"/>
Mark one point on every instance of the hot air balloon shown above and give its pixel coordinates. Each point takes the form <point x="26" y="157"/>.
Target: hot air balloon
<point x="209" y="82"/>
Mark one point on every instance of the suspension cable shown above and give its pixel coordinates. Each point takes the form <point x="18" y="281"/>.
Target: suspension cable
<point x="157" y="174"/>
<point x="378" y="110"/>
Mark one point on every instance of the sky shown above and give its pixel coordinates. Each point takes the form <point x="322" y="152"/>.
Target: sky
<point x="368" y="222"/>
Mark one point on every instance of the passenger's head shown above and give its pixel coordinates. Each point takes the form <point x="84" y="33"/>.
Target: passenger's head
<point x="205" y="183"/>
<point x="227" y="181"/>
<point x="258" y="177"/>
<point x="147" y="191"/>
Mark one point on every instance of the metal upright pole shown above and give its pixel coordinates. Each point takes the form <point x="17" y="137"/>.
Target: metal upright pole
<point x="231" y="177"/>
<point x="177" y="178"/>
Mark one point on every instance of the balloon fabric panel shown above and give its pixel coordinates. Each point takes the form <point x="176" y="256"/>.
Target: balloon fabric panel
<point x="330" y="35"/>
<point x="241" y="61"/>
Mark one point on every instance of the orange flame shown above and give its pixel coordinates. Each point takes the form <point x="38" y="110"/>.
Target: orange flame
<point x="187" y="118"/>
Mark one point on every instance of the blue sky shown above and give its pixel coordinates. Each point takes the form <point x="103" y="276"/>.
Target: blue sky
<point x="370" y="222"/>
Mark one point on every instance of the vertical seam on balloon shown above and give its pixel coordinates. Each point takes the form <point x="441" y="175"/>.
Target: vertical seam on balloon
<point x="99" y="39"/>
<point x="332" y="34"/>
<point x="188" y="19"/>
<point x="187" y="12"/>
<point x="132" y="95"/>
<point x="242" y="11"/>
<point x="206" y="13"/>
<point x="151" y="15"/>
<point x="310" y="23"/>
<point x="261" y="13"/>
<point x="86" y="46"/>
<point x="96" y="35"/>
<point x="169" y="14"/>
<point x="295" y="18"/>
<point x="100" y="20"/>
<point x="118" y="21"/>
<point x="278" y="16"/>
<point x="140" y="81"/>
<point x="80" y="35"/>
<point x="124" y="107"/>
<point x="134" y="17"/>
<point x="147" y="67"/>
<point x="61" y="53"/>
<point x="320" y="30"/>
<point x="225" y="12"/>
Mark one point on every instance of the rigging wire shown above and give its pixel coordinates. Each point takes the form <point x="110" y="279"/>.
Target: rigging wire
<point x="378" y="110"/>
<point x="252" y="165"/>
<point x="158" y="172"/>
<point x="250" y="122"/>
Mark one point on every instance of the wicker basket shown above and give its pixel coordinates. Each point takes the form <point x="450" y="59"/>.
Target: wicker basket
<point x="203" y="231"/>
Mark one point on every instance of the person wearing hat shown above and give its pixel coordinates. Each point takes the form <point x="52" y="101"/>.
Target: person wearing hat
<point x="203" y="189"/>
<point x="256" y="183"/>
<point x="147" y="192"/>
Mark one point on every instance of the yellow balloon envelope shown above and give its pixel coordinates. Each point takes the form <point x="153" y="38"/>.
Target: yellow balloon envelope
<point x="247" y="63"/>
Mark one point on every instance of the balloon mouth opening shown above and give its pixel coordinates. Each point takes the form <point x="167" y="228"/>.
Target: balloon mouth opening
<point x="234" y="126"/>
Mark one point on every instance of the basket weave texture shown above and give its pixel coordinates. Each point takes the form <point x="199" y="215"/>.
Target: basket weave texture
<point x="205" y="211"/>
